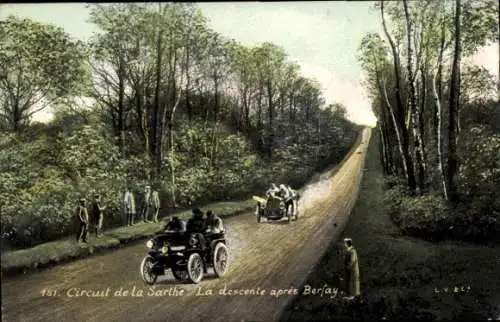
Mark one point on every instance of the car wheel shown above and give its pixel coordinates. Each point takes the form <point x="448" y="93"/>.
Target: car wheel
<point x="221" y="259"/>
<point x="195" y="268"/>
<point x="147" y="273"/>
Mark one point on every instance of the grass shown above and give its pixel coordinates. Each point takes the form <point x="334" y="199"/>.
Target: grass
<point x="400" y="275"/>
<point x="47" y="254"/>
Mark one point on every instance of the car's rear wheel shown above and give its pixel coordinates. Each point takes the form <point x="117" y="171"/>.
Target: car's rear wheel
<point x="147" y="270"/>
<point x="195" y="268"/>
<point x="221" y="259"/>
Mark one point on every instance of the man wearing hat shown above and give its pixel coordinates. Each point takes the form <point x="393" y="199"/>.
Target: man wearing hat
<point x="97" y="213"/>
<point x="351" y="270"/>
<point x="82" y="217"/>
<point x="145" y="204"/>
<point x="197" y="225"/>
<point x="129" y="206"/>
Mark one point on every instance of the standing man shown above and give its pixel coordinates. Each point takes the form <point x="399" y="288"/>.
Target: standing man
<point x="129" y="206"/>
<point x="351" y="270"/>
<point x="145" y="204"/>
<point x="98" y="214"/>
<point x="155" y="204"/>
<point x="82" y="217"/>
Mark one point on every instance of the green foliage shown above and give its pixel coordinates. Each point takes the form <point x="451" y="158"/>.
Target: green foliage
<point x="30" y="78"/>
<point x="177" y="106"/>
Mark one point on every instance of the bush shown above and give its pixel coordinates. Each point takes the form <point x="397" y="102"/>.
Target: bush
<point x="430" y="217"/>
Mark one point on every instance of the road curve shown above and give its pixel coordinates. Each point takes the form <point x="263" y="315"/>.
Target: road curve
<point x="265" y="256"/>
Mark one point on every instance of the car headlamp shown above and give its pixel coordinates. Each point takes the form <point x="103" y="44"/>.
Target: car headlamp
<point x="150" y="243"/>
<point x="164" y="249"/>
<point x="192" y="241"/>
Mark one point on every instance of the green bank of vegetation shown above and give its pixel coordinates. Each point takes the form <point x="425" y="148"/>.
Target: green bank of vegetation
<point x="155" y="97"/>
<point x="402" y="277"/>
<point x="439" y="116"/>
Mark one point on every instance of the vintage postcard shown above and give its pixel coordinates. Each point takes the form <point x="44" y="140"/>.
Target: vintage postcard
<point x="250" y="161"/>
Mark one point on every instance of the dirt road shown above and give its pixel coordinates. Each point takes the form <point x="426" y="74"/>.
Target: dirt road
<point x="267" y="256"/>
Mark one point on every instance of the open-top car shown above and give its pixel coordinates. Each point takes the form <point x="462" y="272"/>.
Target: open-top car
<point x="272" y="208"/>
<point x="182" y="253"/>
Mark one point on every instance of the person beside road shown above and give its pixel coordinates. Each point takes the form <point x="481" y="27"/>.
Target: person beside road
<point x="155" y="205"/>
<point x="82" y="217"/>
<point x="129" y="206"/>
<point x="98" y="214"/>
<point x="351" y="271"/>
<point x="146" y="204"/>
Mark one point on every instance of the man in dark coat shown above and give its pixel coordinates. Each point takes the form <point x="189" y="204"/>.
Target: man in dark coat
<point x="351" y="270"/>
<point x="197" y="225"/>
<point x="82" y="216"/>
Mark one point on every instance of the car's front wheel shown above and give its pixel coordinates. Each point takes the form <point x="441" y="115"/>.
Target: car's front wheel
<point x="195" y="268"/>
<point x="147" y="270"/>
<point x="221" y="259"/>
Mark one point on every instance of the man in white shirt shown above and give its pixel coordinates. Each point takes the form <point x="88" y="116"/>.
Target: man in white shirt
<point x="129" y="206"/>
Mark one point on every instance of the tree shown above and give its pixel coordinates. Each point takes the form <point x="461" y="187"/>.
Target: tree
<point x="30" y="80"/>
<point x="452" y="175"/>
<point x="400" y="113"/>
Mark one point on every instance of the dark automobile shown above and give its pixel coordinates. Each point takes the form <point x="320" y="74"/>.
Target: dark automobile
<point x="182" y="253"/>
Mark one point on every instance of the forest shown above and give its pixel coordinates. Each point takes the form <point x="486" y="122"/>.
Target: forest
<point x="158" y="98"/>
<point x="438" y="116"/>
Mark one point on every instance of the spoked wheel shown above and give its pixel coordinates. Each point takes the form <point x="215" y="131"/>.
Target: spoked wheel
<point x="195" y="268"/>
<point x="180" y="274"/>
<point x="148" y="275"/>
<point x="221" y="259"/>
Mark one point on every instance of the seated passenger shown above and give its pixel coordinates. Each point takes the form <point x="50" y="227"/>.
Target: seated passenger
<point x="214" y="223"/>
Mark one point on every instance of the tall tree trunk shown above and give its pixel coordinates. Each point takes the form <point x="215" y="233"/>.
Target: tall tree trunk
<point x="452" y="173"/>
<point x="396" y="129"/>
<point x="400" y="114"/>
<point x="419" y="155"/>
<point x="121" y="107"/>
<point x="270" y="118"/>
<point x="437" y="102"/>
<point x="189" y="107"/>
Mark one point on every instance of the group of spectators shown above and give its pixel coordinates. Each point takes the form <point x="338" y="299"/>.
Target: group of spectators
<point x="149" y="212"/>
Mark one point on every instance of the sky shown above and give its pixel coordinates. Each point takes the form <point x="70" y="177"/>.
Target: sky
<point x="322" y="36"/>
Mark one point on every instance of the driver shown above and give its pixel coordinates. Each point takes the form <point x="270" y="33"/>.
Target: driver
<point x="176" y="224"/>
<point x="273" y="191"/>
<point x="196" y="225"/>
